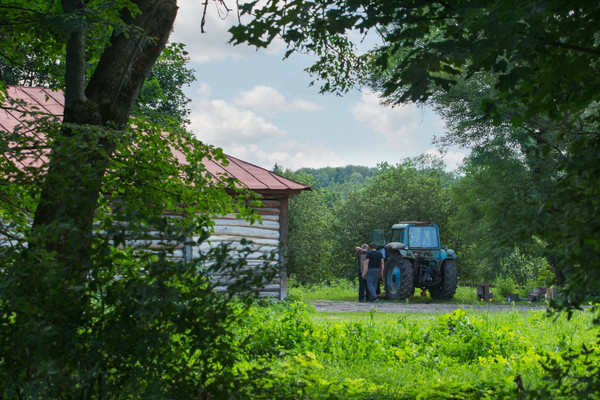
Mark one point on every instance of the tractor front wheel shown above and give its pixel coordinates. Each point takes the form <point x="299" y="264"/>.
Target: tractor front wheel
<point x="446" y="289"/>
<point x="398" y="278"/>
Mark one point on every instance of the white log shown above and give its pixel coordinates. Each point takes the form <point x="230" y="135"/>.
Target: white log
<point x="152" y="244"/>
<point x="177" y="254"/>
<point x="252" y="256"/>
<point x="205" y="246"/>
<point x="271" y="290"/>
<point x="238" y="222"/>
<point x="252" y="264"/>
<point x="228" y="274"/>
<point x="270" y="217"/>
<point x="272" y="287"/>
<point x="229" y="238"/>
<point x="246" y="232"/>
<point x="270" y="203"/>
<point x="264" y="295"/>
<point x="267" y="211"/>
<point x="234" y="217"/>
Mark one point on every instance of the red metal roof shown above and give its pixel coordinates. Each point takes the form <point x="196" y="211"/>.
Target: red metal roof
<point x="51" y="102"/>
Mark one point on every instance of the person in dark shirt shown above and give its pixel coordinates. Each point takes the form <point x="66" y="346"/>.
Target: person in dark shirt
<point x="374" y="266"/>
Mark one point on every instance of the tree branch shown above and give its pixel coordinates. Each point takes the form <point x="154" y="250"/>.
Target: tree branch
<point x="580" y="49"/>
<point x="117" y="80"/>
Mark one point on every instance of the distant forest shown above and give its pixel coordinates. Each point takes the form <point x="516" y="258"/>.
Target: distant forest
<point x="332" y="176"/>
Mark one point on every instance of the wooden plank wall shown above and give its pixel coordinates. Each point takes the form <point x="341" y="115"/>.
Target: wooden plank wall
<point x="266" y="236"/>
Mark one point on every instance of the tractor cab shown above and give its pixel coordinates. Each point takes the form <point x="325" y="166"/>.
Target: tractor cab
<point x="415" y="235"/>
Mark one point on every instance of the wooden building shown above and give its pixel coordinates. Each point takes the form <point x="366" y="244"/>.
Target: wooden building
<point x="274" y="190"/>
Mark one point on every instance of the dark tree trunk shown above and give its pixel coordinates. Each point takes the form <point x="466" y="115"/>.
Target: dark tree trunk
<point x="81" y="152"/>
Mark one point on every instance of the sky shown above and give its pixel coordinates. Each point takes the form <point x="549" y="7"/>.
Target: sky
<point x="261" y="108"/>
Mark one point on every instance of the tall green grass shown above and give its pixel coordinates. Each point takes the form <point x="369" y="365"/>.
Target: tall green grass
<point x="461" y="355"/>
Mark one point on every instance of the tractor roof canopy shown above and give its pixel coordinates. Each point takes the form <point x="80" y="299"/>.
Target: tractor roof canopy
<point x="405" y="224"/>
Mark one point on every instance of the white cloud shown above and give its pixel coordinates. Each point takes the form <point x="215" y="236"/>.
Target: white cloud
<point x="452" y="159"/>
<point x="396" y="125"/>
<point x="306" y="105"/>
<point x="268" y="101"/>
<point x="290" y="154"/>
<point x="262" y="99"/>
<point x="204" y="91"/>
<point x="219" y="123"/>
<point x="212" y="45"/>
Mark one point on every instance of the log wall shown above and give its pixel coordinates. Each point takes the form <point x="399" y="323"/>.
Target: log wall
<point x="266" y="236"/>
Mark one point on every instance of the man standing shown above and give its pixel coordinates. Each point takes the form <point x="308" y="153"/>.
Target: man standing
<point x="361" y="252"/>
<point x="374" y="265"/>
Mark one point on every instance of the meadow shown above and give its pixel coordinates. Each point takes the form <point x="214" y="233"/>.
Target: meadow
<point x="289" y="351"/>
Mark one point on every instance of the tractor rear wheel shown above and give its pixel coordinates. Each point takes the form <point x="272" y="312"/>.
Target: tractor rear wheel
<point x="398" y="278"/>
<point x="446" y="289"/>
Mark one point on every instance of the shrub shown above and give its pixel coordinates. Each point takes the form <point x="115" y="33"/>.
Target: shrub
<point x="505" y="285"/>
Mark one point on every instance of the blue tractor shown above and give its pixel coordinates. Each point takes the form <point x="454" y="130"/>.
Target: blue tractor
<point x="415" y="258"/>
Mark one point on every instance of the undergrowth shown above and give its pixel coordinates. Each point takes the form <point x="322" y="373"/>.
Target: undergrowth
<point x="461" y="355"/>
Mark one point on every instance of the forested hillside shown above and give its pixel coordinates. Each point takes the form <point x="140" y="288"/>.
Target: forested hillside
<point x="328" y="177"/>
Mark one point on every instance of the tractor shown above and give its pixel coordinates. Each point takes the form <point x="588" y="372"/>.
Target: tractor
<point x="415" y="258"/>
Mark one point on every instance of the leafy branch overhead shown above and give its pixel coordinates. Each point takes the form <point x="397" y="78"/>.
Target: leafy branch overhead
<point x="542" y="51"/>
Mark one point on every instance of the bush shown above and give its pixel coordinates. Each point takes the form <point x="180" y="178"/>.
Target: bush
<point x="138" y="328"/>
<point x="505" y="285"/>
<point x="525" y="269"/>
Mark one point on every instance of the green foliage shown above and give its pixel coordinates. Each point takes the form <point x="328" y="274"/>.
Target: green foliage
<point x="135" y="323"/>
<point x="33" y="50"/>
<point x="162" y="99"/>
<point x="505" y="285"/>
<point x="463" y="354"/>
<point x="572" y="374"/>
<point x="526" y="270"/>
<point x="509" y="191"/>
<point x="310" y="240"/>
<point x="545" y="277"/>
<point x="332" y="177"/>
<point x="140" y="328"/>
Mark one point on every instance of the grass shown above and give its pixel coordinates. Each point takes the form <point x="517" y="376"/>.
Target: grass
<point x="339" y="290"/>
<point x="344" y="290"/>
<point x="463" y="355"/>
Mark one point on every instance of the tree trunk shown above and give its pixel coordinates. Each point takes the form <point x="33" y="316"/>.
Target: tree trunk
<point x="81" y="151"/>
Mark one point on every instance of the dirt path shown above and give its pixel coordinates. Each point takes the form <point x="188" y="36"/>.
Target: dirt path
<point x="426" y="308"/>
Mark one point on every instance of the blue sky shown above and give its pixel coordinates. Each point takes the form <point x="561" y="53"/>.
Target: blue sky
<point x="262" y="109"/>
